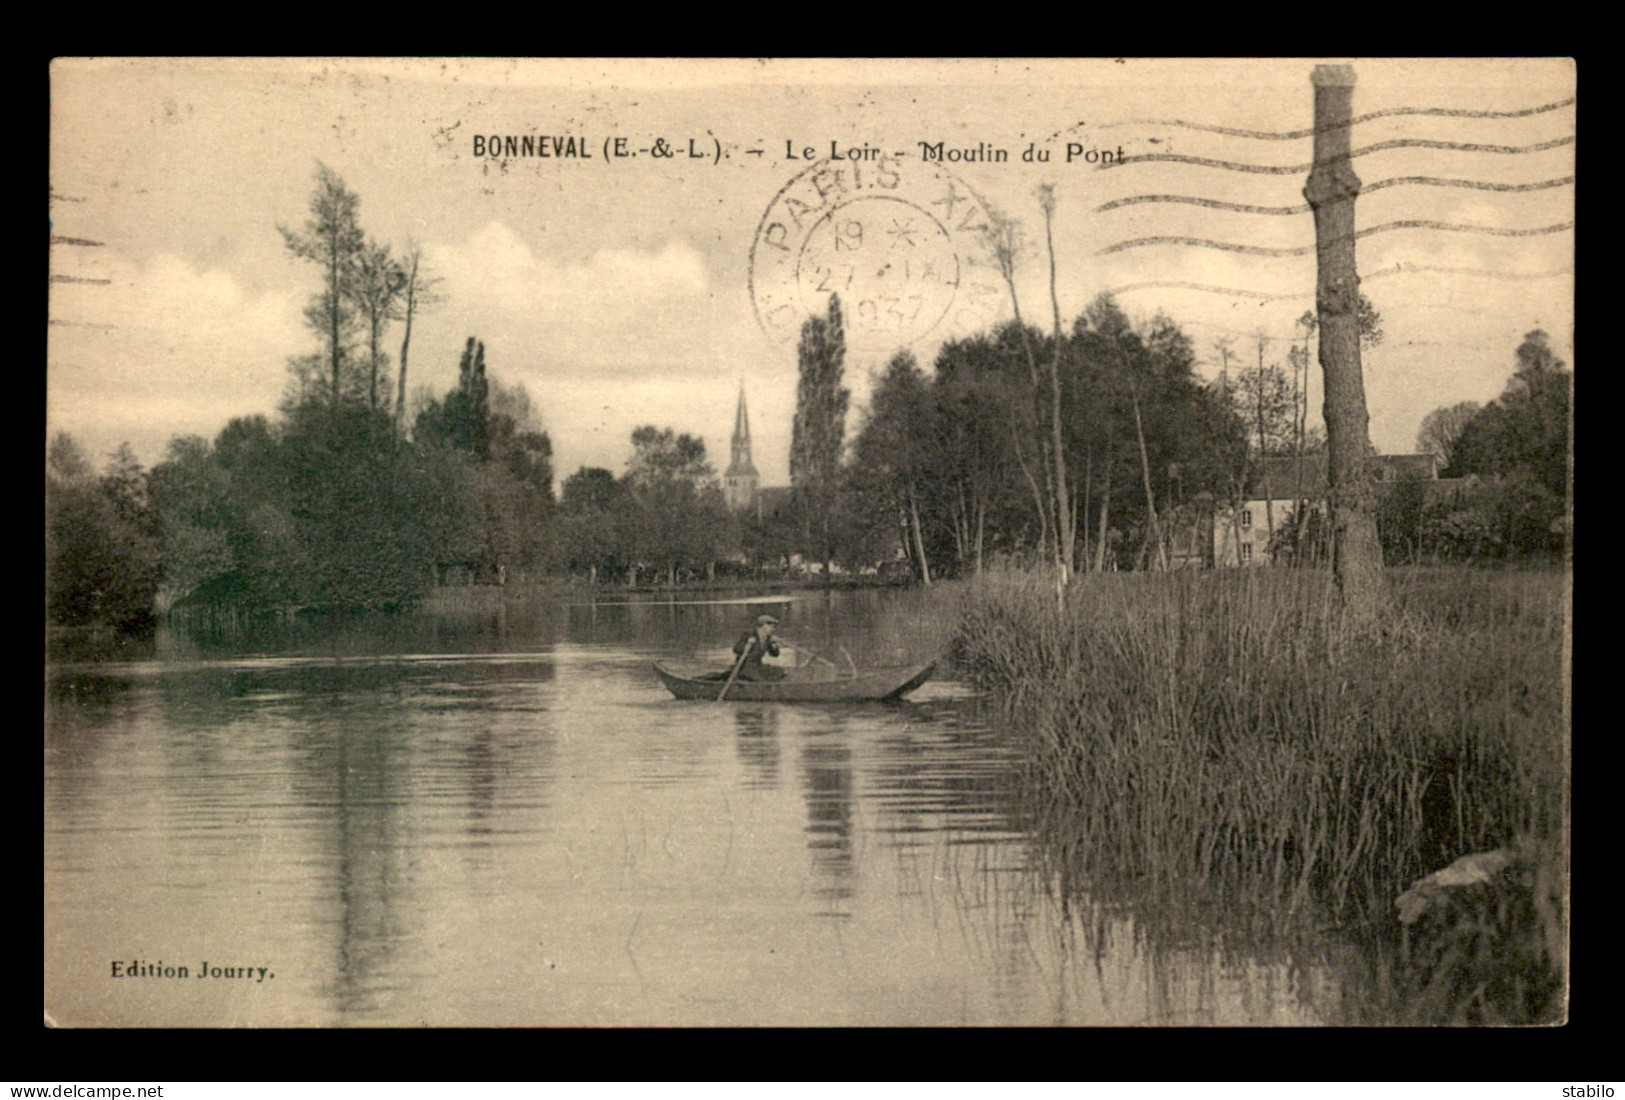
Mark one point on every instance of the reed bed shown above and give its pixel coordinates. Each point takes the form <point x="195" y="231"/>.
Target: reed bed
<point x="1218" y="735"/>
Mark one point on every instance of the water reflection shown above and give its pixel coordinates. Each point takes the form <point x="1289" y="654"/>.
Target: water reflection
<point x="826" y="766"/>
<point x="756" y="740"/>
<point x="363" y="844"/>
<point x="504" y="819"/>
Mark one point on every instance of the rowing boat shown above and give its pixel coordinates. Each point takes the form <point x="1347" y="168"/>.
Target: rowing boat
<point x="867" y="685"/>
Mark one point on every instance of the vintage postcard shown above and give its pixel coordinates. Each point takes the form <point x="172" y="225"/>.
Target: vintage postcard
<point x="849" y="542"/>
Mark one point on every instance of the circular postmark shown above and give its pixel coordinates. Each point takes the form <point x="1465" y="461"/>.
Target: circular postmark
<point x="897" y="241"/>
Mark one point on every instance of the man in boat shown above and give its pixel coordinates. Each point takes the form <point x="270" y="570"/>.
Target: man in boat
<point x="756" y="644"/>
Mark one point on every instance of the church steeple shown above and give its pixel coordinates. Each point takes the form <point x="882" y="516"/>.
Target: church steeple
<point x="739" y="484"/>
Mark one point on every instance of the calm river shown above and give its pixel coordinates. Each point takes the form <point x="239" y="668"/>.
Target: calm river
<point x="503" y="818"/>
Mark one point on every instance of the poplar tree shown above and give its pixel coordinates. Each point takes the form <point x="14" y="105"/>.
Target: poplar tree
<point x="819" y="428"/>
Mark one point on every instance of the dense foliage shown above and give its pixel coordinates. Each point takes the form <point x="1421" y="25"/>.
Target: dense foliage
<point x="949" y="467"/>
<point x="1514" y="454"/>
<point x="667" y="513"/>
<point x="1096" y="446"/>
<point x="101" y="544"/>
<point x="330" y="505"/>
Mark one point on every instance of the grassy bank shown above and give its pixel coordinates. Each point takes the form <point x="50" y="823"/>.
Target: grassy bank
<point x="1216" y="735"/>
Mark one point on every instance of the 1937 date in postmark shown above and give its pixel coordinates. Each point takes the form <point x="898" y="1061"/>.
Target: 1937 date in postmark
<point x="900" y="241"/>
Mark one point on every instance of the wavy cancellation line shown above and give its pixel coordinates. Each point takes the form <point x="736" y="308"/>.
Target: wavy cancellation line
<point x="1298" y="169"/>
<point x="1303" y="208"/>
<point x="1229" y="291"/>
<point x="1304" y="250"/>
<point x="1290" y="135"/>
<point x="1397" y="269"/>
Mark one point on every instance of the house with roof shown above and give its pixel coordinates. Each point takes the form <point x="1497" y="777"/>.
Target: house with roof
<point x="1278" y="486"/>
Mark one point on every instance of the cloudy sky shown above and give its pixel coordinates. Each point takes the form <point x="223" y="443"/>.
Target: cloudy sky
<point x="621" y="291"/>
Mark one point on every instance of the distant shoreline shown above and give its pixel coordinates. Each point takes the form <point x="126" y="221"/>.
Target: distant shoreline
<point x="475" y="596"/>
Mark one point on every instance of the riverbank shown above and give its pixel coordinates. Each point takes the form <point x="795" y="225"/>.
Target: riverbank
<point x="1202" y="735"/>
<point x="478" y="597"/>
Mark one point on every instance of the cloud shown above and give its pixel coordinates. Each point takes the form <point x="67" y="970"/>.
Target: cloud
<point x="162" y="348"/>
<point x="619" y="309"/>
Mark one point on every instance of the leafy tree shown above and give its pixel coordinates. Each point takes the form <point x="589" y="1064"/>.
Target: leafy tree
<point x="461" y="422"/>
<point x="587" y="489"/>
<point x="659" y="454"/>
<point x="509" y="483"/>
<point x="1495" y="518"/>
<point x="269" y="550"/>
<point x="1267" y="404"/>
<point x="672" y="491"/>
<point x="819" y="429"/>
<point x="1264" y="399"/>
<point x="975" y="394"/>
<point x="101" y="548"/>
<point x="1527" y="427"/>
<point x="1153" y="428"/>
<point x="333" y="240"/>
<point x="376" y="287"/>
<point x="66" y="464"/>
<point x="993" y="373"/>
<point x="1441" y="430"/>
<point x="361" y="509"/>
<point x="192" y="492"/>
<point x="1005" y="242"/>
<point x="516" y="484"/>
<point x="591" y="534"/>
<point x="894" y="459"/>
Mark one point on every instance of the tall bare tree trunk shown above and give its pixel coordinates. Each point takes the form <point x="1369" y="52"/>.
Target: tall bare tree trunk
<point x="1300" y="416"/>
<point x="961" y="524"/>
<point x="1065" y="530"/>
<point x="1032" y="484"/>
<point x="1077" y="506"/>
<point x="1105" y="507"/>
<point x="333" y="288"/>
<point x="1145" y="471"/>
<point x="372" y="353"/>
<point x="1005" y="245"/>
<point x="406" y="344"/>
<point x="919" y="541"/>
<point x="1331" y="191"/>
<point x="981" y="523"/>
<point x="1263" y="458"/>
<point x="1088" y="471"/>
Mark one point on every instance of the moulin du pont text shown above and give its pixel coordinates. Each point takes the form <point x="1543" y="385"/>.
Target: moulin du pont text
<point x="503" y="147"/>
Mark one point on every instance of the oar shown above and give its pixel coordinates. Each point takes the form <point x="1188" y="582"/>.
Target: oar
<point x="739" y="664"/>
<point x="815" y="655"/>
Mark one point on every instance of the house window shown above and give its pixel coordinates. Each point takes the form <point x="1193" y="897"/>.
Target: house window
<point x="1246" y="553"/>
<point x="1247" y="517"/>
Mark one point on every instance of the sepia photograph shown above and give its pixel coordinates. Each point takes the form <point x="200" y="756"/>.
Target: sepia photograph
<point x="786" y="543"/>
